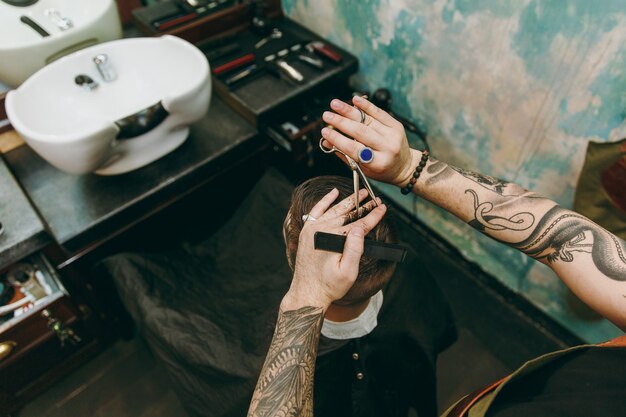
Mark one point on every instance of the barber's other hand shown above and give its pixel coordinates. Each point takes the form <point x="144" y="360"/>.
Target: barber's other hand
<point x="321" y="277"/>
<point x="394" y="161"/>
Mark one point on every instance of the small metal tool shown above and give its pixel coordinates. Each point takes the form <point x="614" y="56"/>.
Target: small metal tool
<point x="290" y="71"/>
<point x="314" y="62"/>
<point x="241" y="75"/>
<point x="276" y="34"/>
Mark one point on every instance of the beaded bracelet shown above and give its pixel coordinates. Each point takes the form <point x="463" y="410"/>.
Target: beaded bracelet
<point x="416" y="174"/>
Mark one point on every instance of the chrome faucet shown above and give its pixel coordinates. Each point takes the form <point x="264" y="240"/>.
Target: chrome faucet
<point x="62" y="22"/>
<point x="105" y="68"/>
<point x="86" y="82"/>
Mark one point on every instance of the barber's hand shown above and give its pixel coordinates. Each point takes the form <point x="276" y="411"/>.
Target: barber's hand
<point x="394" y="161"/>
<point x="321" y="277"/>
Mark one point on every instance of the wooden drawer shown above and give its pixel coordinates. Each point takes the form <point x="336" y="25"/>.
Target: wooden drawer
<point x="34" y="330"/>
<point x="34" y="353"/>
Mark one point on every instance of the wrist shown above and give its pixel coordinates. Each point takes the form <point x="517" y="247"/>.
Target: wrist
<point x="409" y="168"/>
<point x="294" y="300"/>
<point x="416" y="174"/>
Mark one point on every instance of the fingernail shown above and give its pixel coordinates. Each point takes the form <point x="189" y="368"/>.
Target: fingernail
<point x="336" y="104"/>
<point x="358" y="99"/>
<point x="325" y="131"/>
<point x="328" y="116"/>
<point x="357" y="231"/>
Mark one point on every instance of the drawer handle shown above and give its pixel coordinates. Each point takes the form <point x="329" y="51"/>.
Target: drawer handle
<point x="63" y="333"/>
<point x="6" y="348"/>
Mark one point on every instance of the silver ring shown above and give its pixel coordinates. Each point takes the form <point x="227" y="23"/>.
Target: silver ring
<point x="366" y="155"/>
<point x="308" y="217"/>
<point x="362" y="115"/>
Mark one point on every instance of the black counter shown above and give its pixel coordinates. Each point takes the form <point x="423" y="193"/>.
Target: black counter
<point x="82" y="209"/>
<point x="24" y="232"/>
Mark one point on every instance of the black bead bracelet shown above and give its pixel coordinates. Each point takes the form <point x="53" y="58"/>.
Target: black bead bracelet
<point x="416" y="174"/>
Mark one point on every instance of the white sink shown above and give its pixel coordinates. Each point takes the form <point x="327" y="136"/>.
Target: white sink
<point x="71" y="25"/>
<point x="79" y="130"/>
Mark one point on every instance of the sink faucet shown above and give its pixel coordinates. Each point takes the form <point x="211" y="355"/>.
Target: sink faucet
<point x="86" y="82"/>
<point x="105" y="68"/>
<point x="62" y="22"/>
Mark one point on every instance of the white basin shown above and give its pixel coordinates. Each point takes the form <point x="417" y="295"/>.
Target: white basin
<point x="23" y="50"/>
<point x="77" y="129"/>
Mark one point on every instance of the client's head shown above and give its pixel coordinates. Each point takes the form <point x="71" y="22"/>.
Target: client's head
<point x="373" y="273"/>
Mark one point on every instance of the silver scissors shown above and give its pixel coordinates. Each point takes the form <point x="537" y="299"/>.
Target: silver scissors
<point x="356" y="173"/>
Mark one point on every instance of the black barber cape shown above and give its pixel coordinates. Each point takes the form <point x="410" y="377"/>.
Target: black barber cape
<point x="208" y="313"/>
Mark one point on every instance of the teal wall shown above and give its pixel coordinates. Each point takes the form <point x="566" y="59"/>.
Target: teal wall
<point x="514" y="89"/>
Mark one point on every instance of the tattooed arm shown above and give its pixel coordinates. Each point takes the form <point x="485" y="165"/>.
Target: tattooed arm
<point x="590" y="260"/>
<point x="285" y="386"/>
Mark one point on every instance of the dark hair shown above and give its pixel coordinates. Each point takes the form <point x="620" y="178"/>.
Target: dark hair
<point x="373" y="273"/>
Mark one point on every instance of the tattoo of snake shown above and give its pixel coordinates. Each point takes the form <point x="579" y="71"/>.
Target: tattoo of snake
<point x="482" y="219"/>
<point x="559" y="235"/>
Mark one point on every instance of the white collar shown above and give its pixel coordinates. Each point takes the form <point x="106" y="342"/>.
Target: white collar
<point x="357" y="327"/>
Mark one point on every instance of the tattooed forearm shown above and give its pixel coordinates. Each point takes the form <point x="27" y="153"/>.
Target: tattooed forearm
<point x="491" y="183"/>
<point x="557" y="236"/>
<point x="285" y="386"/>
<point x="561" y="233"/>
<point x="588" y="259"/>
<point x="441" y="171"/>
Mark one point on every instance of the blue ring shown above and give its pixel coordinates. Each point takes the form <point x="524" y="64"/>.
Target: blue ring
<point x="366" y="155"/>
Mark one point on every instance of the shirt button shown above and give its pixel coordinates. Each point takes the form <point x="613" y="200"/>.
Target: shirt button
<point x="360" y="376"/>
<point x="355" y="356"/>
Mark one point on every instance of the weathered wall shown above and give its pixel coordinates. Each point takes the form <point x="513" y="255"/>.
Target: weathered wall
<point x="514" y="89"/>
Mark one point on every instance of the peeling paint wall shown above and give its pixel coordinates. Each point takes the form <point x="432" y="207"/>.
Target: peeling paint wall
<point x="513" y="89"/>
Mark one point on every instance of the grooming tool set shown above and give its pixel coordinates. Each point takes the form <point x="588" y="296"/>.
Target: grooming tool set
<point x="267" y="49"/>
